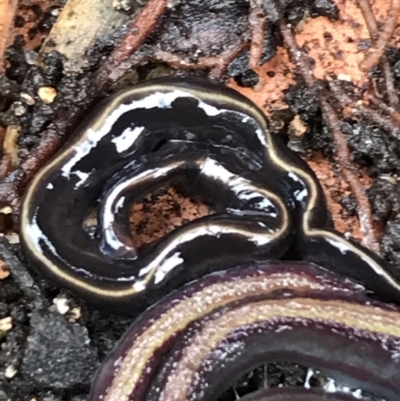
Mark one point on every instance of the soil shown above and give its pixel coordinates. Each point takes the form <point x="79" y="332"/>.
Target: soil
<point x="51" y="342"/>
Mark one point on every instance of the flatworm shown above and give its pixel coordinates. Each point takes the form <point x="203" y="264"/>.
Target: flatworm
<point x="196" y="342"/>
<point x="212" y="143"/>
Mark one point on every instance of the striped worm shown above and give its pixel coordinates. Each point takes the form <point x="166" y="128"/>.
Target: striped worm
<point x="212" y="143"/>
<point x="196" y="342"/>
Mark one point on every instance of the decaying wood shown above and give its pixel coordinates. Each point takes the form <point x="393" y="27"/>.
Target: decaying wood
<point x="257" y="22"/>
<point x="80" y="23"/>
<point x="7" y="14"/>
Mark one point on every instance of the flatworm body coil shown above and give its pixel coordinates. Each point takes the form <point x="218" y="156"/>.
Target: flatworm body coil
<point x="196" y="342"/>
<point x="210" y="142"/>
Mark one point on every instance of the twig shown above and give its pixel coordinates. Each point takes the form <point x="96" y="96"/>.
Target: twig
<point x="339" y="140"/>
<point x="137" y="32"/>
<point x="373" y="56"/>
<point x="257" y="22"/>
<point x="5" y="165"/>
<point x="348" y="170"/>
<point x="389" y="80"/>
<point x="13" y="184"/>
<point x="390" y="111"/>
<point x="217" y="64"/>
<point x="390" y="124"/>
<point x="374" y="88"/>
<point x="8" y="9"/>
<point x="370" y="20"/>
<point x="295" y="53"/>
<point x="44" y="150"/>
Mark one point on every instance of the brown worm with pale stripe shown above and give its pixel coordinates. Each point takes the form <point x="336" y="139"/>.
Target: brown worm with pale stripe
<point x="196" y="342"/>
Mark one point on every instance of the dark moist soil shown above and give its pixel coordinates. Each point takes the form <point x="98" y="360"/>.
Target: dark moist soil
<point x="52" y="356"/>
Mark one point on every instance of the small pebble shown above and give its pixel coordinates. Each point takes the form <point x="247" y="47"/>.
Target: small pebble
<point x="13" y="238"/>
<point x="19" y="110"/>
<point x="125" y="5"/>
<point x="28" y="99"/>
<point x="6" y="324"/>
<point x="55" y="12"/>
<point x="344" y="77"/>
<point x="31" y="57"/>
<point x="298" y="127"/>
<point x="75" y="314"/>
<point x="6" y="210"/>
<point x="47" y="94"/>
<point x="10" y="372"/>
<point x="61" y="305"/>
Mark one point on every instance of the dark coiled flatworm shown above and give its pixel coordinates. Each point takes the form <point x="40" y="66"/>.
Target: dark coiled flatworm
<point x="210" y="142"/>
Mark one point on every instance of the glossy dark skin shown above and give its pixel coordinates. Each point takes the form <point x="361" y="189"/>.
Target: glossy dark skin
<point x="213" y="144"/>
<point x="153" y="125"/>
<point x="82" y="256"/>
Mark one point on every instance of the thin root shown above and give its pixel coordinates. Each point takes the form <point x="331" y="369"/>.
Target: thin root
<point x="374" y="55"/>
